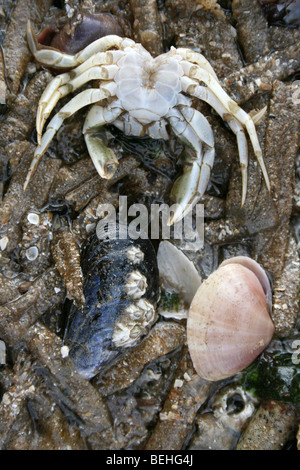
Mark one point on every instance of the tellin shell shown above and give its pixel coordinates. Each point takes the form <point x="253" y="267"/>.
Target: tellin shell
<point x="229" y="321"/>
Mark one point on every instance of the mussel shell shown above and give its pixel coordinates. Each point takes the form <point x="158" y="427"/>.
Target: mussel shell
<point x="91" y="27"/>
<point x="229" y="322"/>
<point x="117" y="314"/>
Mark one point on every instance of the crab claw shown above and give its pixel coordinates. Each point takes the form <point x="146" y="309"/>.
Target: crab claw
<point x="185" y="192"/>
<point x="191" y="185"/>
<point x="104" y="159"/>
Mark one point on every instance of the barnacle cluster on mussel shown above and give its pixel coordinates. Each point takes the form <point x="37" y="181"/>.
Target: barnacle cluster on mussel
<point x="121" y="292"/>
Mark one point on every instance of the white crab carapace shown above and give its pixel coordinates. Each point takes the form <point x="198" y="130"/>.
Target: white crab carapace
<point x="141" y="95"/>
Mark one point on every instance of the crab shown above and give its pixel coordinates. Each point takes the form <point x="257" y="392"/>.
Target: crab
<point x="142" y="95"/>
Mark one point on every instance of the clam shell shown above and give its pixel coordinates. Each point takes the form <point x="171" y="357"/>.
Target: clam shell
<point x="229" y="322"/>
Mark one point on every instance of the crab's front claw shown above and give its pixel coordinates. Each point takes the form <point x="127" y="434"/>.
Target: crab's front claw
<point x="104" y="158"/>
<point x="185" y="191"/>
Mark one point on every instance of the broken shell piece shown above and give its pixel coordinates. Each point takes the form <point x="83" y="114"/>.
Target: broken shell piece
<point x="229" y="321"/>
<point x="33" y="218"/>
<point x="177" y="272"/>
<point x="32" y="253"/>
<point x="3" y="243"/>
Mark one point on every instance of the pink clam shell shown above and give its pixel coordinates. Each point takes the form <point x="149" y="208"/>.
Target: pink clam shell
<point x="229" y="323"/>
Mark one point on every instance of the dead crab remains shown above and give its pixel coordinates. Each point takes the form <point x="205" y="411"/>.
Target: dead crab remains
<point x="141" y="95"/>
<point x="151" y="397"/>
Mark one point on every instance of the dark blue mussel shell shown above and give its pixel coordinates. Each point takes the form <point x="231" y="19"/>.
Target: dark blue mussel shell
<point x="121" y="288"/>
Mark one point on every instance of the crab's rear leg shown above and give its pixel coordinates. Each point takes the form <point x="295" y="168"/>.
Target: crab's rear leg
<point x="198" y="73"/>
<point x="84" y="98"/>
<point x="193" y="129"/>
<point x="52" y="57"/>
<point x="203" y="93"/>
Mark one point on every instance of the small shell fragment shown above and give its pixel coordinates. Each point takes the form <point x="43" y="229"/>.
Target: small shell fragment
<point x="64" y="351"/>
<point x="3" y="243"/>
<point x="32" y="253"/>
<point x="33" y="218"/>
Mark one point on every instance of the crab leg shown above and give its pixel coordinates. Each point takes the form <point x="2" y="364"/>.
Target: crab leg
<point x="63" y="84"/>
<point x="203" y="93"/>
<point x="54" y="58"/>
<point x="239" y="132"/>
<point x="194" y="71"/>
<point x="197" y="59"/>
<point x="192" y="128"/>
<point x="202" y="129"/>
<point x="84" y="98"/>
<point x="104" y="159"/>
